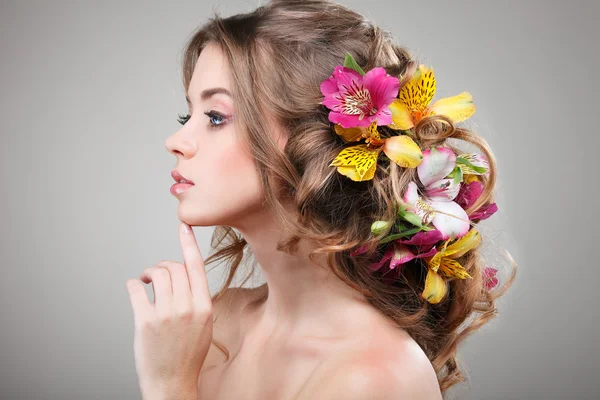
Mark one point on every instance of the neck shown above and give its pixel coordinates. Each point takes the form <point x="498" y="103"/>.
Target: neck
<point x="303" y="298"/>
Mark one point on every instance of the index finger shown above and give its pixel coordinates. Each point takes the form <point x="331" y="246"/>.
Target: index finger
<point x="194" y="264"/>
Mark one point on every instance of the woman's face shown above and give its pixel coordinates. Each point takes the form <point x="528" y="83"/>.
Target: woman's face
<point x="210" y="152"/>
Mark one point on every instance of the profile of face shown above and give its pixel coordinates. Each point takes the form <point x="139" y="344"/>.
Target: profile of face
<point x="211" y="153"/>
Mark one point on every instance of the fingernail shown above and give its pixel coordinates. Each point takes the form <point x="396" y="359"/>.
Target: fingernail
<point x="185" y="228"/>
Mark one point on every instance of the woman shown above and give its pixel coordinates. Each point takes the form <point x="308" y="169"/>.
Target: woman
<point x="344" y="188"/>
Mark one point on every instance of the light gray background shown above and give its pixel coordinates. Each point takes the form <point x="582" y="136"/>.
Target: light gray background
<point x="91" y="89"/>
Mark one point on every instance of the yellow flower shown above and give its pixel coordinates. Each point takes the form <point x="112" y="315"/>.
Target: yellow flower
<point x="413" y="101"/>
<point x="444" y="262"/>
<point x="360" y="162"/>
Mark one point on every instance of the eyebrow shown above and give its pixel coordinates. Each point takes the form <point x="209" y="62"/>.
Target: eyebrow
<point x="208" y="93"/>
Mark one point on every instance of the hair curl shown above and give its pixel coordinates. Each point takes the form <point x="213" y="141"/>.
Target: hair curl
<point x="282" y="51"/>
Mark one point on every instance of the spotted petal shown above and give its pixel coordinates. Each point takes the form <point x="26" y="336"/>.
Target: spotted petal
<point x="452" y="269"/>
<point x="418" y="92"/>
<point x="357" y="162"/>
<point x="458" y="108"/>
<point x="437" y="163"/>
<point x="403" y="150"/>
<point x="435" y="287"/>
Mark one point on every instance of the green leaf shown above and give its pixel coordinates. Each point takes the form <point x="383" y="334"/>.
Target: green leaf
<point x="457" y="174"/>
<point x="412" y="218"/>
<point x="406" y="233"/>
<point x="469" y="165"/>
<point x="349" y="62"/>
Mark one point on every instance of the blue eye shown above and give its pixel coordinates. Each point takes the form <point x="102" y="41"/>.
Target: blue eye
<point x="215" y="119"/>
<point x="213" y="114"/>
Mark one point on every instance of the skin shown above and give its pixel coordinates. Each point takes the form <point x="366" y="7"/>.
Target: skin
<point x="313" y="336"/>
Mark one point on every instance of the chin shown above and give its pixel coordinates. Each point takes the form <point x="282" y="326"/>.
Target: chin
<point x="198" y="215"/>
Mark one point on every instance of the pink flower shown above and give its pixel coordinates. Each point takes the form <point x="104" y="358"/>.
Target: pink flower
<point x="468" y="194"/>
<point x="436" y="206"/>
<point x="357" y="100"/>
<point x="398" y="254"/>
<point x="489" y="277"/>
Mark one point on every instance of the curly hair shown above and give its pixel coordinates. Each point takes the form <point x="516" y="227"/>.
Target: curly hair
<point x="282" y="51"/>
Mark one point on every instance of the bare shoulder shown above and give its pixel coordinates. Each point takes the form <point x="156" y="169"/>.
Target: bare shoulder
<point x="393" y="368"/>
<point x="226" y="316"/>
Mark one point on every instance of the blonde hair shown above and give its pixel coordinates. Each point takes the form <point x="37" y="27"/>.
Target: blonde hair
<point x="282" y="51"/>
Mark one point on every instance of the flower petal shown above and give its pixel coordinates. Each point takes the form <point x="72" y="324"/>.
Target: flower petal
<point x="348" y="121"/>
<point x="353" y="174"/>
<point x="444" y="189"/>
<point x="401" y="116"/>
<point x="489" y="277"/>
<point x="452" y="269"/>
<point x="437" y="163"/>
<point x="382" y="87"/>
<point x="423" y="238"/>
<point x="468" y="178"/>
<point x="469" y="193"/>
<point x="352" y="102"/>
<point x="435" y="287"/>
<point x="403" y="150"/>
<point x="386" y="256"/>
<point x="361" y="250"/>
<point x="449" y="218"/>
<point x="464" y="244"/>
<point x="403" y="254"/>
<point x="329" y="86"/>
<point x="458" y="108"/>
<point x="418" y="92"/>
<point x="484" y="212"/>
<point x="353" y="134"/>
<point x="417" y="205"/>
<point x="473" y="163"/>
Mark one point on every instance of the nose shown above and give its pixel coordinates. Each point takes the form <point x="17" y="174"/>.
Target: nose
<point x="180" y="144"/>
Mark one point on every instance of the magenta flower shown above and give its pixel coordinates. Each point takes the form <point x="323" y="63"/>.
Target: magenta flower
<point x="489" y="277"/>
<point x="356" y="100"/>
<point x="398" y="254"/>
<point x="468" y="194"/>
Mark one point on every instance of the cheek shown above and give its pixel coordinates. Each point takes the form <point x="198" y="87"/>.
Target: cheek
<point x="234" y="177"/>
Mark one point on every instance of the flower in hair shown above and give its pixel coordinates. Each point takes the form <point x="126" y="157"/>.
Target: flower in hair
<point x="489" y="278"/>
<point x="413" y="101"/>
<point x="431" y="224"/>
<point x="436" y="206"/>
<point x="444" y="263"/>
<point x="359" y="102"/>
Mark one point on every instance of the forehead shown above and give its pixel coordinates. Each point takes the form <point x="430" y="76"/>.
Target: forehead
<point x="211" y="69"/>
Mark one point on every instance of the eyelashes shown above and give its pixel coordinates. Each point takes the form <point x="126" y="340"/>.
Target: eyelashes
<point x="182" y="119"/>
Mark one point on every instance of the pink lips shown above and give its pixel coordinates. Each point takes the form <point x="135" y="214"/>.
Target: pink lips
<point x="180" y="188"/>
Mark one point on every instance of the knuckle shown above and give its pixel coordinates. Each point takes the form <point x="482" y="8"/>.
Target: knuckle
<point x="185" y="313"/>
<point x="164" y="319"/>
<point x="205" y="312"/>
<point x="160" y="273"/>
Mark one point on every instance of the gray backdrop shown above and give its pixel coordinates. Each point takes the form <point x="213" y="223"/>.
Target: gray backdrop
<point x="91" y="89"/>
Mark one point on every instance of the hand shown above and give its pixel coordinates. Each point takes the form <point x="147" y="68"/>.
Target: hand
<point x="173" y="334"/>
